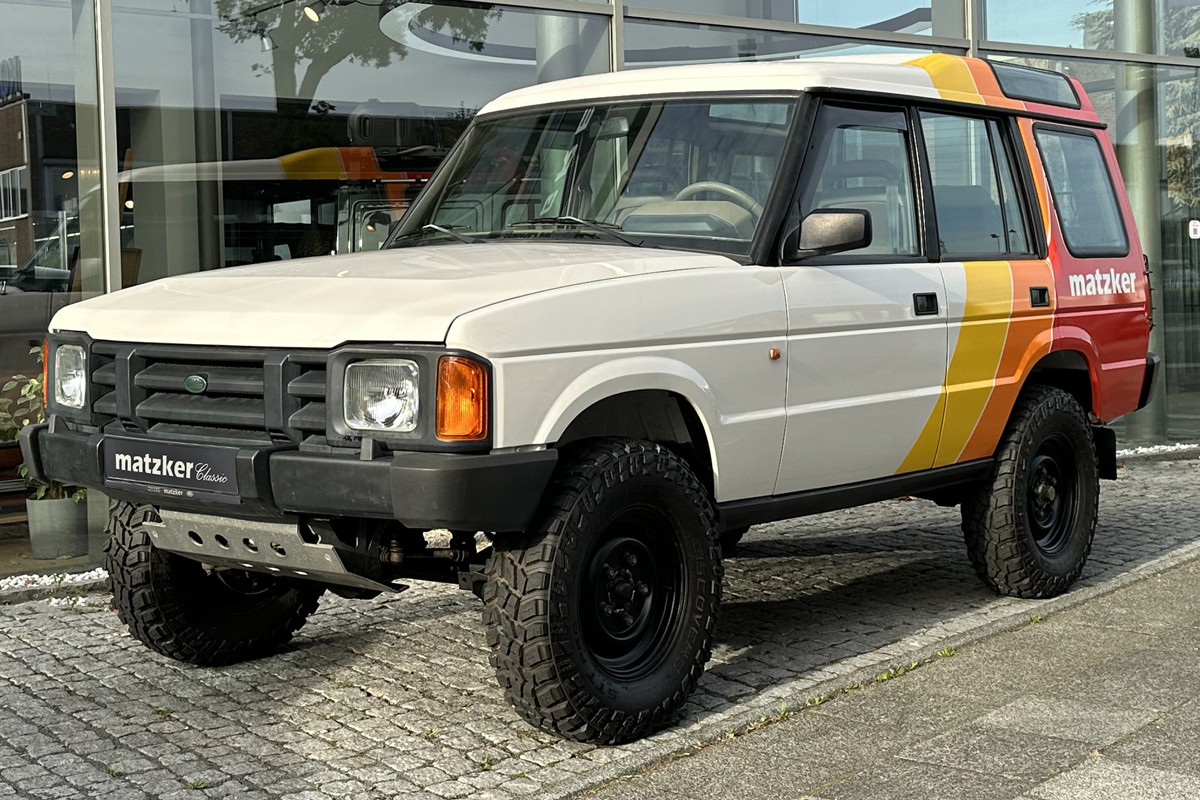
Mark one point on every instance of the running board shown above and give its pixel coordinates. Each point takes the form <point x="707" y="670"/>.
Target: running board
<point x="737" y="513"/>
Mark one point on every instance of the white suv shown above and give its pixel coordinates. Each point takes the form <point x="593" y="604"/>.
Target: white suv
<point x="630" y="315"/>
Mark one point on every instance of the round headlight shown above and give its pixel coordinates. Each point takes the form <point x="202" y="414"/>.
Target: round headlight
<point x="70" y="376"/>
<point x="382" y="396"/>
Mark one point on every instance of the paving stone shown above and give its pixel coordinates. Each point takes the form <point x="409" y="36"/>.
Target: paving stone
<point x="1103" y="779"/>
<point x="905" y="780"/>
<point x="1171" y="743"/>
<point x="998" y="751"/>
<point x="356" y="696"/>
<point x="1138" y="680"/>
<point x="1095" y="724"/>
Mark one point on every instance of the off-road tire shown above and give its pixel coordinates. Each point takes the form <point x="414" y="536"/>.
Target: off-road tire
<point x="550" y="599"/>
<point x="1024" y="540"/>
<point x="177" y="608"/>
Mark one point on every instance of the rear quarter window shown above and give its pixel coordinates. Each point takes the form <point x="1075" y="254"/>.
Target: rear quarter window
<point x="1084" y="197"/>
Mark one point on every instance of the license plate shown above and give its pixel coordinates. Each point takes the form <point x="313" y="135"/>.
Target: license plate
<point x="185" y="471"/>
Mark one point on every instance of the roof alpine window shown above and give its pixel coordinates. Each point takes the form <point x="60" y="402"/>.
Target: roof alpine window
<point x="1036" y="85"/>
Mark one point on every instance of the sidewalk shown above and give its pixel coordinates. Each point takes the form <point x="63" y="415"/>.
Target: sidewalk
<point x="393" y="697"/>
<point x="1099" y="701"/>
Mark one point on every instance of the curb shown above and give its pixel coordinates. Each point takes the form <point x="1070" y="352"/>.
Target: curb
<point x="827" y="679"/>
<point x="793" y="693"/>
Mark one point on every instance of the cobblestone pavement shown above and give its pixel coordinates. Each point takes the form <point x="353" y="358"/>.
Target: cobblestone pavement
<point x="394" y="697"/>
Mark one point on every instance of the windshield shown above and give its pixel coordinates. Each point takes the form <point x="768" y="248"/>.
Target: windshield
<point x="688" y="173"/>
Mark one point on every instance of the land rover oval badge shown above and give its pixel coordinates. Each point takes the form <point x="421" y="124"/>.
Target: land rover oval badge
<point x="195" y="383"/>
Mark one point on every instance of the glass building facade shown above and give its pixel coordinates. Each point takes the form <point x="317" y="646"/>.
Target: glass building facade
<point x="145" y="138"/>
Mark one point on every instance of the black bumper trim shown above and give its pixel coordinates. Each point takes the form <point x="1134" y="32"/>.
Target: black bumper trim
<point x="1152" y="364"/>
<point x="497" y="492"/>
<point x="493" y="492"/>
<point x="27" y="439"/>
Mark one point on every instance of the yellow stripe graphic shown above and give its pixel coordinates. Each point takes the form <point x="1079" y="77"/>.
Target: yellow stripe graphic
<point x="922" y="454"/>
<point x="972" y="373"/>
<point x="950" y="76"/>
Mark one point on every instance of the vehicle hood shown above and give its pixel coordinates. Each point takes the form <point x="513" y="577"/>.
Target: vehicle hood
<point x="409" y="294"/>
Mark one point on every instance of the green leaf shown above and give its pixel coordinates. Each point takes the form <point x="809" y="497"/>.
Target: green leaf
<point x="8" y="387"/>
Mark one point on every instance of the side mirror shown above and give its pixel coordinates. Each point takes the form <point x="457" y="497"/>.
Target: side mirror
<point x="832" y="230"/>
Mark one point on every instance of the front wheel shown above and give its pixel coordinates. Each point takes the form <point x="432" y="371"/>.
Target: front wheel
<point x="601" y="620"/>
<point x="180" y="609"/>
<point x="1029" y="530"/>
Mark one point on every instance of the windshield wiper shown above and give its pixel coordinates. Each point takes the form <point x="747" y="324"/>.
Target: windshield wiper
<point x="606" y="228"/>
<point x="446" y="229"/>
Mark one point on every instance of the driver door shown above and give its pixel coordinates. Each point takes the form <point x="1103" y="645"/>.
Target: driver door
<point x="866" y="328"/>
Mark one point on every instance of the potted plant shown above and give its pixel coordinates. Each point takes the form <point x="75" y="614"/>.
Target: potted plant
<point x="10" y="453"/>
<point x="57" y="517"/>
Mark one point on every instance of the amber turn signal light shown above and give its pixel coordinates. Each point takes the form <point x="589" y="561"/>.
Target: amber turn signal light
<point x="45" y="372"/>
<point x="462" y="400"/>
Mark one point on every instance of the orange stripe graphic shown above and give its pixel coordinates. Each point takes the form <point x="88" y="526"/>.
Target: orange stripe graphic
<point x="1029" y="338"/>
<point x="977" y="355"/>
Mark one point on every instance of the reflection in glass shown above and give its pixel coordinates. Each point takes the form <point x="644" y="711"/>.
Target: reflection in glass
<point x="1153" y="118"/>
<point x="49" y="168"/>
<point x="680" y="173"/>
<point x="659" y="44"/>
<point x="249" y="132"/>
<point x="1163" y="27"/>
<point x="912" y="16"/>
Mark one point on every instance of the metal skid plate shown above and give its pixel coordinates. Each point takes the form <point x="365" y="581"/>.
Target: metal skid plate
<point x="276" y="548"/>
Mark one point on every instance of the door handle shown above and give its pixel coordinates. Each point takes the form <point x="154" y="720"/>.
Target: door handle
<point x="925" y="303"/>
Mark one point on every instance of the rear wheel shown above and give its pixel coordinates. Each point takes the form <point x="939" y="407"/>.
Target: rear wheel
<point x="1029" y="530"/>
<point x="600" y="621"/>
<point x="184" y="611"/>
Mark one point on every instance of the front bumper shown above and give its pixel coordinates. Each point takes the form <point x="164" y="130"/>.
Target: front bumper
<point x="495" y="492"/>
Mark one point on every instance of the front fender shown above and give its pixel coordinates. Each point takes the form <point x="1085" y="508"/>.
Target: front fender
<point x="630" y="374"/>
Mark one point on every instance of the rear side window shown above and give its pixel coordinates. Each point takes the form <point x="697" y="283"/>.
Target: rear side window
<point x="976" y="206"/>
<point x="1083" y="194"/>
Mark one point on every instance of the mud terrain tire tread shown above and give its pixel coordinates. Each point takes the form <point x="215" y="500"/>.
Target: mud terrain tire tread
<point x="147" y="598"/>
<point x="994" y="517"/>
<point x="538" y="676"/>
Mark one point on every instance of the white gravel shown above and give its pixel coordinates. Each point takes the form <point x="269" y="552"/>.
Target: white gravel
<point x="51" y="581"/>
<point x="1157" y="449"/>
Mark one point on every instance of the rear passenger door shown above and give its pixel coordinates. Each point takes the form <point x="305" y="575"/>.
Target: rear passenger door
<point x="866" y="328"/>
<point x="999" y="287"/>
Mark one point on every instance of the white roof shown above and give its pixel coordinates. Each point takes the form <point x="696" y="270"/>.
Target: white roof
<point x="887" y="73"/>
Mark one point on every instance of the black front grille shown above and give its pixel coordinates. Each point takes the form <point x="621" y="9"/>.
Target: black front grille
<point x="250" y="396"/>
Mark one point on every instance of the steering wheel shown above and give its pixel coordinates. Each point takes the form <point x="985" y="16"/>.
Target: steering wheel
<point x="732" y="192"/>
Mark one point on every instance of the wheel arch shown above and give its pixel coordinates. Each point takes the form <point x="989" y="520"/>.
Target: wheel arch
<point x="652" y="415"/>
<point x="655" y="400"/>
<point x="1069" y="370"/>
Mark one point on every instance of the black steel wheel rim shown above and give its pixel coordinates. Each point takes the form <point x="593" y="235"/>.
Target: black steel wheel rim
<point x="630" y="596"/>
<point x="1052" y="494"/>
